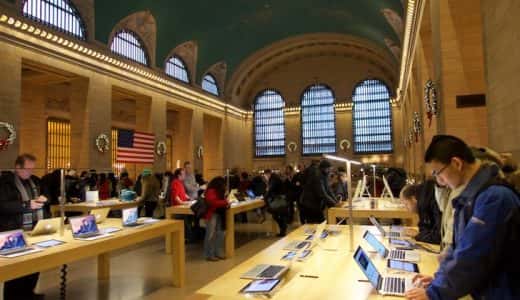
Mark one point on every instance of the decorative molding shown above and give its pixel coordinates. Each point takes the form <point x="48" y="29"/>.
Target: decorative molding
<point x="188" y="52"/>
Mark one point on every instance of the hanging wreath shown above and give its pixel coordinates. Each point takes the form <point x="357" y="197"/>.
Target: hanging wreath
<point x="417" y="126"/>
<point x="200" y="152"/>
<point x="102" y="143"/>
<point x="9" y="140"/>
<point x="160" y="148"/>
<point x="292" y="146"/>
<point x="430" y="99"/>
<point x="344" y="145"/>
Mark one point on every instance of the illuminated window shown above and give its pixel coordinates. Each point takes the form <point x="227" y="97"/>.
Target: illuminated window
<point x="60" y="15"/>
<point x="318" y="120"/>
<point x="372" y="118"/>
<point x="209" y="84"/>
<point x="269" y="124"/>
<point x="116" y="167"/>
<point x="127" y="44"/>
<point x="58" y="144"/>
<point x="169" y="152"/>
<point x="176" y="68"/>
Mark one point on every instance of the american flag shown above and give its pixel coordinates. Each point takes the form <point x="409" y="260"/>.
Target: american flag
<point x="135" y="147"/>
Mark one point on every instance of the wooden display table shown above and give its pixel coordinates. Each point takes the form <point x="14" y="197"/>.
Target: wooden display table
<point x="385" y="209"/>
<point x="74" y="250"/>
<point x="332" y="261"/>
<point x="236" y="208"/>
<point x="84" y="208"/>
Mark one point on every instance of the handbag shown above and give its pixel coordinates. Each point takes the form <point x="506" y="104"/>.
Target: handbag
<point x="199" y="208"/>
<point x="277" y="204"/>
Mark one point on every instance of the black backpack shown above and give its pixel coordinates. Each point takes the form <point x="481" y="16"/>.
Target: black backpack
<point x="200" y="207"/>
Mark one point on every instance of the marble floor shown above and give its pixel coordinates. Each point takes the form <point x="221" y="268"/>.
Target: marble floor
<point x="142" y="272"/>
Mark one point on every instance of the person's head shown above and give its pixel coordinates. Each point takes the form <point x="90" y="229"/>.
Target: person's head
<point x="187" y="167"/>
<point x="83" y="174"/>
<point x="24" y="165"/>
<point x="179" y="174"/>
<point x="325" y="167"/>
<point x="219" y="184"/>
<point x="102" y="177"/>
<point x="146" y="172"/>
<point x="342" y="176"/>
<point x="450" y="160"/>
<point x="409" y="195"/>
<point x="124" y="174"/>
<point x="244" y="176"/>
<point x="289" y="170"/>
<point x="267" y="174"/>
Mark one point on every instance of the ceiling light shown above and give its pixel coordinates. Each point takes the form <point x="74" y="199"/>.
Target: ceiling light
<point x="3" y="18"/>
<point x="10" y="21"/>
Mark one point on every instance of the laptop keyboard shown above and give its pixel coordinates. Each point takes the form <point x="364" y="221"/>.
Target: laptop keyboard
<point x="397" y="254"/>
<point x="394" y="234"/>
<point x="394" y="285"/>
<point x="270" y="272"/>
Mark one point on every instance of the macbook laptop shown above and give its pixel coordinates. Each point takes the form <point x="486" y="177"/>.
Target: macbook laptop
<point x="250" y="194"/>
<point x="130" y="217"/>
<point x="396" y="254"/>
<point x="46" y="226"/>
<point x="13" y="243"/>
<point x="85" y="228"/>
<point x="100" y="214"/>
<point x="389" y="234"/>
<point x="265" y="271"/>
<point x="394" y="285"/>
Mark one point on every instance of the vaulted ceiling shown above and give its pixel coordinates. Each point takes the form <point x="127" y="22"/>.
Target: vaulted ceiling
<point x="231" y="30"/>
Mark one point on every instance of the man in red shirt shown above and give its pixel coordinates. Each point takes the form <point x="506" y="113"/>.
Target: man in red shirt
<point x="178" y="193"/>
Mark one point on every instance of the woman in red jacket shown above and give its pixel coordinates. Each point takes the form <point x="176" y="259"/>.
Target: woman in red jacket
<point x="214" y="239"/>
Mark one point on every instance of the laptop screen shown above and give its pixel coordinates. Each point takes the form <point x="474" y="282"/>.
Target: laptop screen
<point x="130" y="216"/>
<point x="375" y="243"/>
<point x="12" y="240"/>
<point x="367" y="267"/>
<point x="374" y="222"/>
<point x="250" y="194"/>
<point x="83" y="225"/>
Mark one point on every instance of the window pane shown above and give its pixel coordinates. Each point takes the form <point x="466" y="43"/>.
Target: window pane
<point x="116" y="167"/>
<point x="269" y="124"/>
<point x="318" y="120"/>
<point x="127" y="44"/>
<point x="372" y="118"/>
<point x="209" y="84"/>
<point x="58" y="144"/>
<point x="176" y="68"/>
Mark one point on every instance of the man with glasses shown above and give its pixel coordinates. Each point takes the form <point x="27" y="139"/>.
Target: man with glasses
<point x="481" y="261"/>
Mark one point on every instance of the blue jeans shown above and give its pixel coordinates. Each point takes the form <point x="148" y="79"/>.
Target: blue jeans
<point x="214" y="238"/>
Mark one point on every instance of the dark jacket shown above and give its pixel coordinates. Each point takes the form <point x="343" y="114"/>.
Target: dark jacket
<point x="316" y="191"/>
<point x="11" y="205"/>
<point x="275" y="187"/>
<point x="430" y="217"/>
<point x="482" y="261"/>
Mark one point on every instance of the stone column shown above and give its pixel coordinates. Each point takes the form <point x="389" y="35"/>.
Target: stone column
<point x="158" y="126"/>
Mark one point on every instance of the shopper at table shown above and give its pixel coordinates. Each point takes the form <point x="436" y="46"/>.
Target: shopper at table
<point x="216" y="200"/>
<point x="178" y="192"/>
<point x="276" y="194"/>
<point x="190" y="185"/>
<point x="20" y="207"/>
<point x="483" y="260"/>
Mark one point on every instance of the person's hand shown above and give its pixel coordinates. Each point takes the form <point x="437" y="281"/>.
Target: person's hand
<point x="422" y="280"/>
<point x="416" y="294"/>
<point x="410" y="232"/>
<point x="41" y="199"/>
<point x="35" y="204"/>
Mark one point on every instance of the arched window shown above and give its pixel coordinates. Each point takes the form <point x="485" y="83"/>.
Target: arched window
<point x="269" y="124"/>
<point x="176" y="68"/>
<point x="61" y="15"/>
<point x="127" y="44"/>
<point x="318" y="120"/>
<point x="372" y="118"/>
<point x="209" y="84"/>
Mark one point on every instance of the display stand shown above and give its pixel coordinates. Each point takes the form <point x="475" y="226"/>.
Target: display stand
<point x="374" y="177"/>
<point x="62" y="201"/>
<point x="387" y="192"/>
<point x="365" y="193"/>
<point x="357" y="193"/>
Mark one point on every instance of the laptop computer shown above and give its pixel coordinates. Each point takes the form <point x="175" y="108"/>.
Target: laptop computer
<point x="13" y="243"/>
<point x="390" y="285"/>
<point x="250" y="194"/>
<point x="46" y="226"/>
<point x="85" y="228"/>
<point x="389" y="234"/>
<point x="265" y="271"/>
<point x="131" y="217"/>
<point x="100" y="214"/>
<point x="396" y="254"/>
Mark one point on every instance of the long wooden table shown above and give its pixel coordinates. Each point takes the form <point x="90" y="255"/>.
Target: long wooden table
<point x="74" y="250"/>
<point x="385" y="209"/>
<point x="85" y="207"/>
<point x="332" y="261"/>
<point x="235" y="208"/>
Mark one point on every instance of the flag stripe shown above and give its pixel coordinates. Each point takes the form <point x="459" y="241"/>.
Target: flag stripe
<point x="135" y="147"/>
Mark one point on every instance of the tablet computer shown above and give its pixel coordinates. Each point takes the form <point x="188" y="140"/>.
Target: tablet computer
<point x="403" y="265"/>
<point x="403" y="243"/>
<point x="262" y="286"/>
<point x="49" y="243"/>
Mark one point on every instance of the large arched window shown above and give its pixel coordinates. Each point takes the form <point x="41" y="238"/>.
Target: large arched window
<point x="318" y="120"/>
<point x="372" y="117"/>
<point x="209" y="84"/>
<point x="176" y="68"/>
<point x="269" y="124"/>
<point x="127" y="44"/>
<point x="61" y="15"/>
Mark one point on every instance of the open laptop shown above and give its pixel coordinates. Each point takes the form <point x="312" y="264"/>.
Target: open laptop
<point x="397" y="254"/>
<point x="85" y="228"/>
<point x="394" y="285"/>
<point x="250" y="194"/>
<point x="46" y="226"/>
<point x="13" y="243"/>
<point x="265" y="271"/>
<point x="130" y="217"/>
<point x="100" y="214"/>
<point x="390" y="234"/>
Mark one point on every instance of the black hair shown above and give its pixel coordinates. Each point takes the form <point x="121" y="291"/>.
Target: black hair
<point x="21" y="159"/>
<point x="218" y="184"/>
<point x="177" y="172"/>
<point x="268" y="171"/>
<point x="410" y="191"/>
<point x="444" y="147"/>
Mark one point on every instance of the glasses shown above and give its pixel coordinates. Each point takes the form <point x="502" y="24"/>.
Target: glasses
<point x="437" y="173"/>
